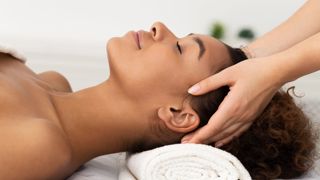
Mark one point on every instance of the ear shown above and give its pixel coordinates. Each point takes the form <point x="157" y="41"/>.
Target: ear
<point x="182" y="120"/>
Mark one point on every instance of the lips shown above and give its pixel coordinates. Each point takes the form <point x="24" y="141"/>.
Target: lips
<point x="137" y="39"/>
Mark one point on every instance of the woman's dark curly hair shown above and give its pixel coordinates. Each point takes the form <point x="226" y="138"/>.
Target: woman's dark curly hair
<point x="280" y="143"/>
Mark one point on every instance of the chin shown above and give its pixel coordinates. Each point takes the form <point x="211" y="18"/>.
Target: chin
<point x="112" y="48"/>
<point x="111" y="43"/>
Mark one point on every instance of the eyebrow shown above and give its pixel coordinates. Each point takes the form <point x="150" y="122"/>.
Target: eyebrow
<point x="200" y="44"/>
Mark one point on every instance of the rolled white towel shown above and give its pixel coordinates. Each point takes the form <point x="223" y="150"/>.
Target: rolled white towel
<point x="183" y="162"/>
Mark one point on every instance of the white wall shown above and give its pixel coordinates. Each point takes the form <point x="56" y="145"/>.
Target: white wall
<point x="70" y="35"/>
<point x="100" y="19"/>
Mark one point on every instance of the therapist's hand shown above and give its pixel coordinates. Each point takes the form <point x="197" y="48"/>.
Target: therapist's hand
<point x="252" y="85"/>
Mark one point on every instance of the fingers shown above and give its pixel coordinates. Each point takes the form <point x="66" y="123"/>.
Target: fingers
<point x="201" y="136"/>
<point x="227" y="132"/>
<point x="211" y="83"/>
<point x="216" y="123"/>
<point x="214" y="126"/>
<point x="233" y="135"/>
<point x="187" y="137"/>
<point x="223" y="138"/>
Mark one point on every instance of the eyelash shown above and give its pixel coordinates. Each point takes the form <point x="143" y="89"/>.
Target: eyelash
<point x="179" y="47"/>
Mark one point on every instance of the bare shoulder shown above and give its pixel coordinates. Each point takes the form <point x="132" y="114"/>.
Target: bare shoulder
<point x="32" y="150"/>
<point x="56" y="80"/>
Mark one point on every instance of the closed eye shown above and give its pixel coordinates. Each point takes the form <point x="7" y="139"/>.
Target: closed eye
<point x="179" y="47"/>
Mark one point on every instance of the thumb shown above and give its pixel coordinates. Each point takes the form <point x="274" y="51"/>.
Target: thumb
<point x="215" y="125"/>
<point x="211" y="83"/>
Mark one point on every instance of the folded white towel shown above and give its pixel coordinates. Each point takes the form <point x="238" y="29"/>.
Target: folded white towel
<point x="183" y="162"/>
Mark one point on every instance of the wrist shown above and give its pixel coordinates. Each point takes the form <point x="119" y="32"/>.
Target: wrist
<point x="284" y="66"/>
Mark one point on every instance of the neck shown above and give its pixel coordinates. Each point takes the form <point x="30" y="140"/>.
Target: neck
<point x="99" y="120"/>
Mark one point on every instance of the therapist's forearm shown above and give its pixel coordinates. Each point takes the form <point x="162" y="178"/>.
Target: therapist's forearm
<point x="303" y="24"/>
<point x="299" y="60"/>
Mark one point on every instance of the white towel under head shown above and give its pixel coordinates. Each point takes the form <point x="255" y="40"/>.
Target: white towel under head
<point x="183" y="162"/>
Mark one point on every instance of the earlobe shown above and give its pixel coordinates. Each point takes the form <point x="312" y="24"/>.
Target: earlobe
<point x="179" y="120"/>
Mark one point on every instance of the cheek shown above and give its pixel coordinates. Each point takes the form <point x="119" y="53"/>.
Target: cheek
<point x="149" y="79"/>
<point x="145" y="74"/>
<point x="150" y="76"/>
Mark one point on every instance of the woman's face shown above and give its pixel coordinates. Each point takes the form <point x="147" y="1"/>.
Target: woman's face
<point x="156" y="63"/>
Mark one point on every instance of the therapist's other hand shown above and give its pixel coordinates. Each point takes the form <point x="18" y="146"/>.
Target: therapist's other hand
<point x="252" y="84"/>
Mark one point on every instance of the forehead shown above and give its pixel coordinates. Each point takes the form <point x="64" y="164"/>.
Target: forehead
<point x="213" y="44"/>
<point x="216" y="52"/>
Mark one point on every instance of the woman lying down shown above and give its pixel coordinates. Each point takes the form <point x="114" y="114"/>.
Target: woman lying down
<point x="48" y="131"/>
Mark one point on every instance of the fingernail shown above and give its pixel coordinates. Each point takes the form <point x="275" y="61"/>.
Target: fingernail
<point x="184" y="142"/>
<point x="219" y="145"/>
<point x="186" y="138"/>
<point x="194" y="89"/>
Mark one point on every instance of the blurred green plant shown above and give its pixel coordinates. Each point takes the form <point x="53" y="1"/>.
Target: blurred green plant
<point x="217" y="30"/>
<point x="246" y="33"/>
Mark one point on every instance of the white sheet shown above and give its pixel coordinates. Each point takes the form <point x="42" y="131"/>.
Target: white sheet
<point x="107" y="168"/>
<point x="101" y="168"/>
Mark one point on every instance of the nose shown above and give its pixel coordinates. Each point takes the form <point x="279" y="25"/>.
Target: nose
<point x="160" y="32"/>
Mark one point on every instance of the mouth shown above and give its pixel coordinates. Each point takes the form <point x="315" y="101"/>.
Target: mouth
<point x="137" y="39"/>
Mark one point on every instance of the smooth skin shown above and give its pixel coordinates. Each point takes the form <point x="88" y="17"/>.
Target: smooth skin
<point x="47" y="132"/>
<point x="284" y="54"/>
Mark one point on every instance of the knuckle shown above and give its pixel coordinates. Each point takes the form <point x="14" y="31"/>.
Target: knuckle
<point x="245" y="102"/>
<point x="236" y="107"/>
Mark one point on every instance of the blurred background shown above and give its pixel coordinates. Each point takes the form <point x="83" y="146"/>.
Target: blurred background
<point x="69" y="36"/>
